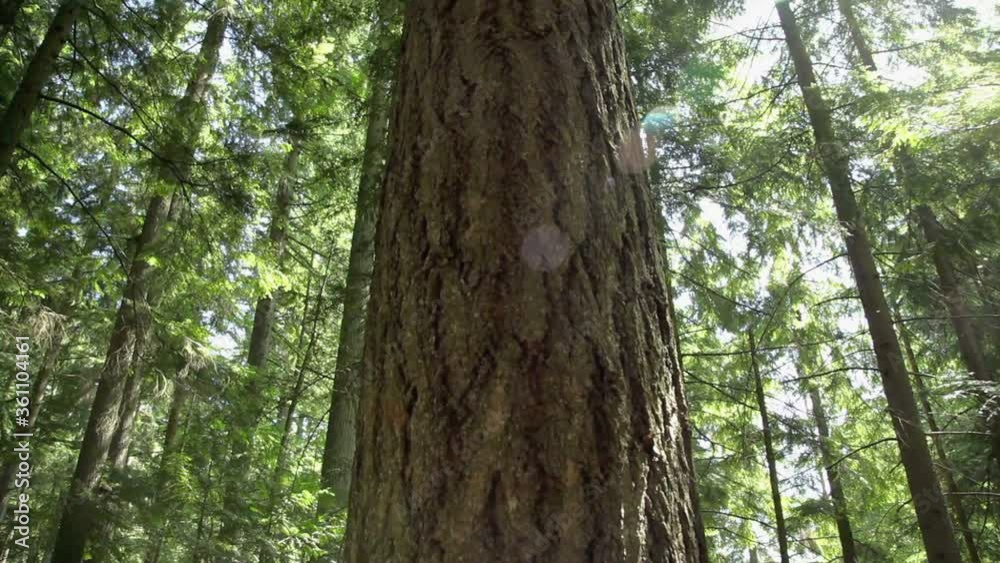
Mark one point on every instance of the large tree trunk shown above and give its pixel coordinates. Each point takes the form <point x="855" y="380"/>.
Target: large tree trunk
<point x="929" y="504"/>
<point x="519" y="403"/>
<point x="833" y="478"/>
<point x="769" y="455"/>
<point x="338" y="450"/>
<point x="18" y="114"/>
<point x="77" y="519"/>
<point x="968" y="335"/>
<point x="947" y="469"/>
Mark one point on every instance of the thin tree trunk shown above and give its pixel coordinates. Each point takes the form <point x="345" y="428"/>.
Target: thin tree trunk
<point x="263" y="318"/>
<point x="947" y="469"/>
<point x="833" y="478"/>
<point x="18" y="113"/>
<point x="685" y="418"/>
<point x="968" y="335"/>
<point x="929" y="504"/>
<point x="297" y="390"/>
<point x="861" y="47"/>
<point x="339" y="446"/>
<point x="521" y="403"/>
<point x="289" y="411"/>
<point x="77" y="519"/>
<point x="77" y="516"/>
<point x="969" y="345"/>
<point x="127" y="412"/>
<point x="769" y="454"/>
<point x="246" y="420"/>
<point x="968" y="339"/>
<point x="159" y="505"/>
<point x="131" y="402"/>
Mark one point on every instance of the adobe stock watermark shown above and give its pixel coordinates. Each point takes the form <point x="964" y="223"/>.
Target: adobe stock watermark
<point x="22" y="440"/>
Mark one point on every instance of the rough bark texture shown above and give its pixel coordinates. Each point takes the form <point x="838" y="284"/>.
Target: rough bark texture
<point x="18" y="114"/>
<point x="928" y="501"/>
<point x="947" y="469"/>
<point x="772" y="461"/>
<point x="965" y="329"/>
<point x="77" y="520"/>
<point x="338" y="451"/>
<point x="861" y="47"/>
<point x="518" y="403"/>
<point x="826" y="450"/>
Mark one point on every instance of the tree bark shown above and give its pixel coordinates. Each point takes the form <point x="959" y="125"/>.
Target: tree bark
<point x="77" y="520"/>
<point x="930" y="506"/>
<point x="769" y="454"/>
<point x="520" y="404"/>
<point x="947" y="469"/>
<point x="339" y="446"/>
<point x="833" y="478"/>
<point x="968" y="335"/>
<point x="18" y="114"/>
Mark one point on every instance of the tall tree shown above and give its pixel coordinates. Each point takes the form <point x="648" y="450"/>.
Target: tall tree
<point x="519" y="341"/>
<point x="338" y="451"/>
<point x="832" y="470"/>
<point x="969" y="343"/>
<point x="947" y="469"/>
<point x="928" y="501"/>
<point x="77" y="519"/>
<point x="17" y="116"/>
<point x="769" y="454"/>
<point x="858" y="39"/>
<point x="246" y="417"/>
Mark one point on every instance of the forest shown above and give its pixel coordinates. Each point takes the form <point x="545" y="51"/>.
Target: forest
<point x="499" y="281"/>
